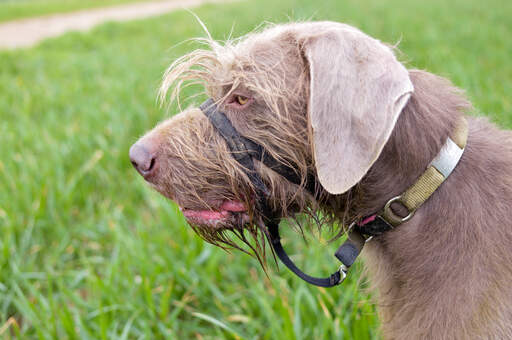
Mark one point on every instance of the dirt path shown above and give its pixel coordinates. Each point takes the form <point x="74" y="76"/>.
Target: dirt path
<point x="28" y="32"/>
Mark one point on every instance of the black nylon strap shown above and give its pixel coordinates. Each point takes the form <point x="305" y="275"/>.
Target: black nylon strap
<point x="351" y="248"/>
<point x="375" y="228"/>
<point x="275" y="240"/>
<point x="243" y="150"/>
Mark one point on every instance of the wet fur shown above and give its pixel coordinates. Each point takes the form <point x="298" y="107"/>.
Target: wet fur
<point x="445" y="274"/>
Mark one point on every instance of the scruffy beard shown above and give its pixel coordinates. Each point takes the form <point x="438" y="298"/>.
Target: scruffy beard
<point x="231" y="226"/>
<point x="245" y="230"/>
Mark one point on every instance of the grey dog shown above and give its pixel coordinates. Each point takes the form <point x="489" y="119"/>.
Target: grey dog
<point x="326" y="99"/>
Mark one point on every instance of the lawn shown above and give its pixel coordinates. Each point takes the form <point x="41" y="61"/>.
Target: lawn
<point x="17" y="9"/>
<point x="89" y="251"/>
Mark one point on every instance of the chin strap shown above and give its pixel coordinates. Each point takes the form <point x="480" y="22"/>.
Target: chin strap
<point x="245" y="150"/>
<point x="347" y="255"/>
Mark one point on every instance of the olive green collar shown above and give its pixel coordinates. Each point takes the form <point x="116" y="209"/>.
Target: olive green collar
<point x="436" y="173"/>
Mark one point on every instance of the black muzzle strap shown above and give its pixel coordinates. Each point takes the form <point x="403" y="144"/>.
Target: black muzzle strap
<point x="245" y="151"/>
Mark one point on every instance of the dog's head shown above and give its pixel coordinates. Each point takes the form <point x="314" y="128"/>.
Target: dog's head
<point x="321" y="97"/>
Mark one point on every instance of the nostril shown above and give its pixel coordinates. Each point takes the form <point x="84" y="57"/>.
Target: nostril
<point x="134" y="164"/>
<point x="147" y="165"/>
<point x="151" y="164"/>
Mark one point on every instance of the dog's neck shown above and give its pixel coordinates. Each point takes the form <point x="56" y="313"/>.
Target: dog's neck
<point x="423" y="127"/>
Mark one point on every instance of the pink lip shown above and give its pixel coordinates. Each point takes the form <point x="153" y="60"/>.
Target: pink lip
<point x="213" y="217"/>
<point x="205" y="214"/>
<point x="233" y="206"/>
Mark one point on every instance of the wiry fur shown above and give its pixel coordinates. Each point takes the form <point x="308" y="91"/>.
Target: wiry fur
<point x="445" y="274"/>
<point x="280" y="93"/>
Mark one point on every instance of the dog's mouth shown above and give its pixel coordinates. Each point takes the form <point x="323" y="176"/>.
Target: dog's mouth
<point x="229" y="213"/>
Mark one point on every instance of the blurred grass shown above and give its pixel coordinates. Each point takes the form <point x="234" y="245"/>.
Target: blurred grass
<point x="88" y="251"/>
<point x="17" y="9"/>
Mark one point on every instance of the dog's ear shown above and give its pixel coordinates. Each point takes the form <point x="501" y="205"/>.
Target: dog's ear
<point x="358" y="89"/>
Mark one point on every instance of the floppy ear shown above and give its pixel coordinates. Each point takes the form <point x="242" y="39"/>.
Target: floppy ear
<point x="358" y="89"/>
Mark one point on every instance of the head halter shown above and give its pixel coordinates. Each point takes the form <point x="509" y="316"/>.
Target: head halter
<point x="245" y="151"/>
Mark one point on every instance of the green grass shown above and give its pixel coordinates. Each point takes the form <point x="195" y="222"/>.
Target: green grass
<point x="17" y="9"/>
<point x="88" y="251"/>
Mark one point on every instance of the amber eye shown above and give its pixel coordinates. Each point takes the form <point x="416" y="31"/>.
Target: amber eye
<point x="241" y="100"/>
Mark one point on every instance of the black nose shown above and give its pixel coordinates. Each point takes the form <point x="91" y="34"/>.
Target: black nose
<point x="142" y="159"/>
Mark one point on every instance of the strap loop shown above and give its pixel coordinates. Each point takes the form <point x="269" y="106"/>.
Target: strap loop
<point x="390" y="215"/>
<point x="333" y="280"/>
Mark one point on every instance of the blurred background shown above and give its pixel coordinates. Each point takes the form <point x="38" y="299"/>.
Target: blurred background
<point x="89" y="251"/>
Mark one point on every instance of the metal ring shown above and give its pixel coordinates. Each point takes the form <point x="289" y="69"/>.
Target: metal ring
<point x="350" y="227"/>
<point x="343" y="272"/>
<point x="389" y="212"/>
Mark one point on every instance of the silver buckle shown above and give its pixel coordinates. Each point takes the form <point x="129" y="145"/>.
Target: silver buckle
<point x="395" y="219"/>
<point x="343" y="272"/>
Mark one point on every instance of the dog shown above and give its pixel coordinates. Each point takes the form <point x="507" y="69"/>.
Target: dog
<point x="334" y="104"/>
